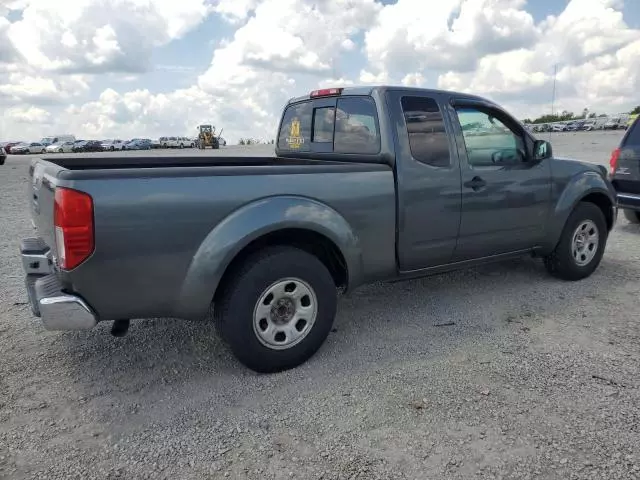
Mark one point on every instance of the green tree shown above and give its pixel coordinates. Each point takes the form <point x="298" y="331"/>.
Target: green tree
<point x="635" y="111"/>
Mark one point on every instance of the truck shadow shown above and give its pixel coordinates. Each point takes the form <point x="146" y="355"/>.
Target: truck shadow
<point x="377" y="325"/>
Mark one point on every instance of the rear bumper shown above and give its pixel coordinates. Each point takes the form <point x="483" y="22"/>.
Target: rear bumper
<point x="58" y="309"/>
<point x="629" y="201"/>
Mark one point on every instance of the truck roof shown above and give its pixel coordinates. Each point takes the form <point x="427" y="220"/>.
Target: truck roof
<point x="369" y="89"/>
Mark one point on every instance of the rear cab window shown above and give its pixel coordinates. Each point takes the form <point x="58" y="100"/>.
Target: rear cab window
<point x="339" y="124"/>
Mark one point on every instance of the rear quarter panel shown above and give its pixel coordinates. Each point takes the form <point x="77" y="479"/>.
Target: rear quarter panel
<point x="150" y="232"/>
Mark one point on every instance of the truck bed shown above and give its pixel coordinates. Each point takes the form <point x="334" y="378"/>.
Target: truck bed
<point x="111" y="161"/>
<point x="154" y="215"/>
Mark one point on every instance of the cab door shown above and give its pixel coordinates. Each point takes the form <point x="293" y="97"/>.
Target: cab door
<point x="505" y="192"/>
<point x="428" y="179"/>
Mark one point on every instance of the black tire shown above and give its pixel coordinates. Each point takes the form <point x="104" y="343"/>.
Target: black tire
<point x="632" y="215"/>
<point x="112" y="148"/>
<point x="561" y="262"/>
<point x="241" y="293"/>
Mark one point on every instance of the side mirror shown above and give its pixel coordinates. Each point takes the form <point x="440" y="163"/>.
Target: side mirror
<point x="542" y="150"/>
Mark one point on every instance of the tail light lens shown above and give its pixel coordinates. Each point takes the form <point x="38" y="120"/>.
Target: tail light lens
<point x="613" y="161"/>
<point x="73" y="221"/>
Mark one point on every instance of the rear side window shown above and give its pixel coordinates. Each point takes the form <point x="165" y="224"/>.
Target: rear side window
<point x="427" y="136"/>
<point x="351" y="127"/>
<point x="633" y="137"/>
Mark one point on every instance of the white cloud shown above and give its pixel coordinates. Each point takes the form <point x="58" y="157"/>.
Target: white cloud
<point x="83" y="36"/>
<point x="597" y="54"/>
<point x="414" y="35"/>
<point x="28" y="115"/>
<point x="284" y="48"/>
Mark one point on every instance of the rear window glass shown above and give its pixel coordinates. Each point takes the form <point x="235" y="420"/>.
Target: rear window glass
<point x="295" y="133"/>
<point x="351" y="126"/>
<point x="356" y="126"/>
<point x="633" y="137"/>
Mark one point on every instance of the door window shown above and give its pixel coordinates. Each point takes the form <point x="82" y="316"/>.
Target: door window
<point x="427" y="136"/>
<point x="489" y="142"/>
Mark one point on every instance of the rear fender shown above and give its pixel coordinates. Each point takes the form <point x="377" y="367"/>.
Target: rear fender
<point x="249" y="223"/>
<point x="579" y="187"/>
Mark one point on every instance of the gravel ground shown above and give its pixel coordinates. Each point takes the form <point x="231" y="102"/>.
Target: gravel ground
<point x="535" y="379"/>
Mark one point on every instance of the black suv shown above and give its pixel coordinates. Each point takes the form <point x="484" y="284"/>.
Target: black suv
<point x="625" y="172"/>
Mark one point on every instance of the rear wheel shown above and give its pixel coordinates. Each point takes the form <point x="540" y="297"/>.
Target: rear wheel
<point x="632" y="215"/>
<point x="277" y="309"/>
<point x="581" y="245"/>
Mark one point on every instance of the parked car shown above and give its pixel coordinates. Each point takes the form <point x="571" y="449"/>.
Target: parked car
<point x="270" y="249"/>
<point x="46" y="141"/>
<point x="92" y="146"/>
<point x="156" y="143"/>
<point x="575" y="126"/>
<point x="9" y="145"/>
<point x="79" y="146"/>
<point x="113" y="145"/>
<point x="62" y="147"/>
<point x="185" y="142"/>
<point x="28" y="148"/>
<point x="3" y="156"/>
<point x="625" y="173"/>
<point x="612" y="124"/>
<point x="169" y="142"/>
<point x="138" y="144"/>
<point x="558" y="127"/>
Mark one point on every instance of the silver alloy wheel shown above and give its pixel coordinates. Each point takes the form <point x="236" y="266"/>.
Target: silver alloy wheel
<point x="285" y="313"/>
<point x="585" y="243"/>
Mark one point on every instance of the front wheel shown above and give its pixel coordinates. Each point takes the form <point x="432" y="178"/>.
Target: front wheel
<point x="632" y="215"/>
<point x="276" y="309"/>
<point x="581" y="245"/>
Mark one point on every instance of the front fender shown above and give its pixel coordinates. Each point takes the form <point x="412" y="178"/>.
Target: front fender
<point x="250" y="222"/>
<point x="576" y="189"/>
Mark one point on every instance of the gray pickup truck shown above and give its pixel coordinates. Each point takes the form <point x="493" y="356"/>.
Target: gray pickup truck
<point x="367" y="184"/>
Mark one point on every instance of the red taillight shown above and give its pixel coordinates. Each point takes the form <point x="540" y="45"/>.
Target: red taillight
<point x="326" y="92"/>
<point x="73" y="221"/>
<point x="613" y="161"/>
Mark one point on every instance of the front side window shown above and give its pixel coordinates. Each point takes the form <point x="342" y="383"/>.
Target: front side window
<point x="489" y="142"/>
<point x="427" y="136"/>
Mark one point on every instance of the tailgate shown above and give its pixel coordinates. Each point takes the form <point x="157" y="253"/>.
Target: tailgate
<point x="42" y="176"/>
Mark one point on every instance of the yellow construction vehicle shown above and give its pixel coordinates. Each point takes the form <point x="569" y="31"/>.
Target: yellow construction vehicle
<point x="207" y="137"/>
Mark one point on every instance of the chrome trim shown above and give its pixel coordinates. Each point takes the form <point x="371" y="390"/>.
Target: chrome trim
<point x="627" y="195"/>
<point x="38" y="263"/>
<point x="66" y="312"/>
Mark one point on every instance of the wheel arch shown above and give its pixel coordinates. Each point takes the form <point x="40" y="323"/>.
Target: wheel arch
<point x="584" y="187"/>
<point x="284" y="220"/>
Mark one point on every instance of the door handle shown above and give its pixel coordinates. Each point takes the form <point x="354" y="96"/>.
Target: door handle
<point x="476" y="183"/>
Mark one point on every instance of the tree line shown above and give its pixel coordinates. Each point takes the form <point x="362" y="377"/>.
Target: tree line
<point x="565" y="116"/>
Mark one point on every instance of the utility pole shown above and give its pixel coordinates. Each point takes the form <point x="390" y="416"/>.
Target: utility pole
<point x="553" y="95"/>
